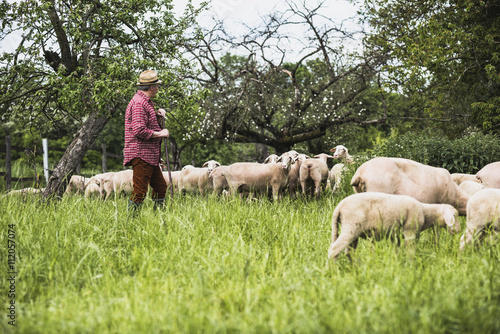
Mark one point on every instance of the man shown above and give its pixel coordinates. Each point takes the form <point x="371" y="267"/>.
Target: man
<point x="143" y="137"/>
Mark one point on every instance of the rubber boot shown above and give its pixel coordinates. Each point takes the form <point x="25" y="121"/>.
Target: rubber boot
<point x="159" y="203"/>
<point x="132" y="208"/>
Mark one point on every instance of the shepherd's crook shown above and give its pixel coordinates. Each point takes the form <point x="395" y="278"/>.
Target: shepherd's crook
<point x="168" y="164"/>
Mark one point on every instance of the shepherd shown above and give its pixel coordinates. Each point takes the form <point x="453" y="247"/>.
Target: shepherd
<point x="143" y="137"/>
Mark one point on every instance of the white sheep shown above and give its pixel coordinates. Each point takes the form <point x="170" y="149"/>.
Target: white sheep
<point x="400" y="176"/>
<point x="92" y="190"/>
<point x="195" y="179"/>
<point x="100" y="180"/>
<point x="471" y="187"/>
<point x="342" y="153"/>
<point x="249" y="176"/>
<point x="26" y="191"/>
<point x="335" y="176"/>
<point x="76" y="184"/>
<point x="489" y="175"/>
<point x="175" y="179"/>
<point x="119" y="182"/>
<point x="218" y="180"/>
<point x="381" y="215"/>
<point x="458" y="178"/>
<point x="483" y="210"/>
<point x="314" y="173"/>
<point x="294" y="174"/>
<point x="271" y="159"/>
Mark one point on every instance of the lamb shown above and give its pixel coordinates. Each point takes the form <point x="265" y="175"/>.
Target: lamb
<point x="314" y="172"/>
<point x="458" y="178"/>
<point x="406" y="177"/>
<point x="380" y="215"/>
<point x="195" y="179"/>
<point x="26" y="191"/>
<point x="76" y="184"/>
<point x="342" y="153"/>
<point x="489" y="175"/>
<point x="251" y="176"/>
<point x="483" y="210"/>
<point x="471" y="187"/>
<point x="335" y="176"/>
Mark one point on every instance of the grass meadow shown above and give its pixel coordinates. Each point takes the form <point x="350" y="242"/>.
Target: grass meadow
<point x="208" y="265"/>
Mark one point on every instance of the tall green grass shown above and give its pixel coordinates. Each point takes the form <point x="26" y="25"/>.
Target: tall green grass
<point x="214" y="266"/>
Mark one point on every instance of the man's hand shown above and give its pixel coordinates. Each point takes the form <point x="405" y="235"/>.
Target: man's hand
<point x="161" y="112"/>
<point x="161" y="134"/>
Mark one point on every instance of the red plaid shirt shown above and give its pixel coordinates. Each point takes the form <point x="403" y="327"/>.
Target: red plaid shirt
<point x="140" y="123"/>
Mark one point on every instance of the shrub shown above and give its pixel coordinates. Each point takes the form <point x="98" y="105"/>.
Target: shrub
<point x="464" y="155"/>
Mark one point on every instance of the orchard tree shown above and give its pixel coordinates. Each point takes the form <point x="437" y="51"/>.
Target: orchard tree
<point x="286" y="82"/>
<point x="444" y="55"/>
<point x="79" y="60"/>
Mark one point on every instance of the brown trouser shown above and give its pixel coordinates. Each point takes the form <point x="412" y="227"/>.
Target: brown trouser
<point x="145" y="174"/>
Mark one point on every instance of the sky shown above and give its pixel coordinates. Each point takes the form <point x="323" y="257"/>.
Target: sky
<point x="234" y="12"/>
<point x="249" y="11"/>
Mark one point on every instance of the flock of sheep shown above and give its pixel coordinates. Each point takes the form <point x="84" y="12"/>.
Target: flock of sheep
<point x="392" y="195"/>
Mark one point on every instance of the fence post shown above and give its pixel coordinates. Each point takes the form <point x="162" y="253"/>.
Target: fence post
<point x="8" y="163"/>
<point x="45" y="145"/>
<point x="104" y="162"/>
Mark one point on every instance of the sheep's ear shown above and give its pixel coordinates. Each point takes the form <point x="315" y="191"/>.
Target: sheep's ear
<point x="280" y="158"/>
<point x="267" y="160"/>
<point x="205" y="164"/>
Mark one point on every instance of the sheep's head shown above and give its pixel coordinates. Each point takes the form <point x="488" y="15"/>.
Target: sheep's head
<point x="286" y="160"/>
<point x="212" y="164"/>
<point x="272" y="159"/>
<point x="341" y="152"/>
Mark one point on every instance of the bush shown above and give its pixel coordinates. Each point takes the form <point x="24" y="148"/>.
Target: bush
<point x="464" y="155"/>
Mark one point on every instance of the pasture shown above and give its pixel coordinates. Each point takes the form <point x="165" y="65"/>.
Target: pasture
<point x="214" y="266"/>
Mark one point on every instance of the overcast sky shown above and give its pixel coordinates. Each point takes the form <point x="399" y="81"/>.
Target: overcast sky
<point x="249" y="11"/>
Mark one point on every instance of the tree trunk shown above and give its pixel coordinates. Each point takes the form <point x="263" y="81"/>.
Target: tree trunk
<point x="82" y="142"/>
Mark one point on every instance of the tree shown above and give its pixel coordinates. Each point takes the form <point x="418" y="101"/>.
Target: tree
<point x="444" y="55"/>
<point x="259" y="97"/>
<point x="79" y="60"/>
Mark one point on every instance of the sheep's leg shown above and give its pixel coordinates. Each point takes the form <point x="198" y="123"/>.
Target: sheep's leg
<point x="317" y="188"/>
<point x="349" y="250"/>
<point x="343" y="241"/>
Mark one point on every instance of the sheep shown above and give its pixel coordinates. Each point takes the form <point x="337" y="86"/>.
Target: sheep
<point x="76" y="184"/>
<point x="458" y="178"/>
<point x="92" y="189"/>
<point x="100" y="180"/>
<point x="195" y="179"/>
<point x="26" y="191"/>
<point x="489" y="175"/>
<point x="271" y="159"/>
<point x="294" y="174"/>
<point x="218" y="180"/>
<point x="471" y="187"/>
<point x="342" y="153"/>
<point x="314" y="172"/>
<point x="380" y="215"/>
<point x="118" y="182"/>
<point x="335" y="176"/>
<point x="175" y="179"/>
<point x="483" y="210"/>
<point x="406" y="177"/>
<point x="251" y="176"/>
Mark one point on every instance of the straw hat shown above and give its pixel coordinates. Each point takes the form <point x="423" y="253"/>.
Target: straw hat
<point x="148" y="78"/>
